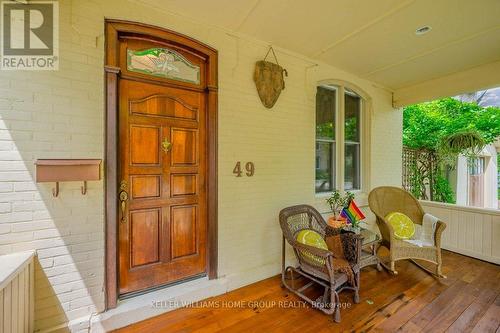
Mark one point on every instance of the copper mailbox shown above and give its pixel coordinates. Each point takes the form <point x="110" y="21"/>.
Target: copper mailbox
<point x="63" y="170"/>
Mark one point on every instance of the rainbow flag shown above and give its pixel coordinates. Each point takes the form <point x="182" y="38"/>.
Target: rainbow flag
<point x="352" y="213"/>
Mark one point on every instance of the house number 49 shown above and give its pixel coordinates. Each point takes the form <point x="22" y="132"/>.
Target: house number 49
<point x="249" y="169"/>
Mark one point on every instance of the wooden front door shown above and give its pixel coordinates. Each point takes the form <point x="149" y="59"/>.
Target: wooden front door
<point x="476" y="182"/>
<point x="162" y="163"/>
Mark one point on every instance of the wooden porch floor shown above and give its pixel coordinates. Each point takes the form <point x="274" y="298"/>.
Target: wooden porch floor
<point x="413" y="301"/>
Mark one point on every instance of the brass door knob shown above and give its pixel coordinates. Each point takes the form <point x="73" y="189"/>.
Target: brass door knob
<point x="123" y="197"/>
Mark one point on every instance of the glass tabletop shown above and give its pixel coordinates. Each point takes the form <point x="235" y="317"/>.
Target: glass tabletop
<point x="369" y="236"/>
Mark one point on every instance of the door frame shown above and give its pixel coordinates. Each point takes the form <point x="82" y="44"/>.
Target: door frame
<point x="114" y="29"/>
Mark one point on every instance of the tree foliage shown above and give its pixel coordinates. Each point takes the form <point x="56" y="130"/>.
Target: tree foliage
<point x="444" y="127"/>
<point x="425" y="124"/>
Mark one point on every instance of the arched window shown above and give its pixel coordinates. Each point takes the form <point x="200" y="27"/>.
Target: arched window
<point x="340" y="138"/>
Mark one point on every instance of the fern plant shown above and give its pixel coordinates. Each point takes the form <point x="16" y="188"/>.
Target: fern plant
<point x="468" y="143"/>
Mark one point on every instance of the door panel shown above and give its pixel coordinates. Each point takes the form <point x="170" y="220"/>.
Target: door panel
<point x="163" y="162"/>
<point x="144" y="237"/>
<point x="476" y="190"/>
<point x="183" y="231"/>
<point x="144" y="148"/>
<point x="182" y="185"/>
<point x="145" y="186"/>
<point x="184" y="146"/>
<point x="164" y="106"/>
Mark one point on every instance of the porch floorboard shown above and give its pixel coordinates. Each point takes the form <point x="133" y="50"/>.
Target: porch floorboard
<point x="468" y="301"/>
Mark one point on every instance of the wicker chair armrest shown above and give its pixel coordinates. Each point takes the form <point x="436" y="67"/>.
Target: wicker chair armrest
<point x="389" y="228"/>
<point x="440" y="226"/>
<point x="324" y="254"/>
<point x="322" y="259"/>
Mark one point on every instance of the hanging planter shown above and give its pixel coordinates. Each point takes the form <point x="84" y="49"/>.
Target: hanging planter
<point x="269" y="80"/>
<point x="468" y="143"/>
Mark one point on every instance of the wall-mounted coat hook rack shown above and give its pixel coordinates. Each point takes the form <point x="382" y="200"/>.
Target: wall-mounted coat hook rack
<point x="55" y="191"/>
<point x="60" y="170"/>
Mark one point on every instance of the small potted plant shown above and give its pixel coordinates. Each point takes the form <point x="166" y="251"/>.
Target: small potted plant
<point x="337" y="202"/>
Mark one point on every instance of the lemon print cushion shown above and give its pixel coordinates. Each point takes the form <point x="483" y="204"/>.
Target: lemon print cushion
<point x="403" y="226"/>
<point x="311" y="238"/>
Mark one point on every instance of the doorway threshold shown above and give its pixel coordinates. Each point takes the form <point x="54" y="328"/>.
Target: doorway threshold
<point x="160" y="287"/>
<point x="153" y="303"/>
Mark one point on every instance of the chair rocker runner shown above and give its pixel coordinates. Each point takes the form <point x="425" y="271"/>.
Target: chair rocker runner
<point x="318" y="265"/>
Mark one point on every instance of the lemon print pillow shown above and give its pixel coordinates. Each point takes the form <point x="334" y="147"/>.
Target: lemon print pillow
<point x="311" y="238"/>
<point x="403" y="226"/>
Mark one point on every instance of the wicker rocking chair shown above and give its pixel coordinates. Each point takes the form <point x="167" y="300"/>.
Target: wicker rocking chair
<point x="317" y="264"/>
<point x="387" y="199"/>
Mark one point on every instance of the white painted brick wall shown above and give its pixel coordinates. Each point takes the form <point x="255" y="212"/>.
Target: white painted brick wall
<point x="60" y="115"/>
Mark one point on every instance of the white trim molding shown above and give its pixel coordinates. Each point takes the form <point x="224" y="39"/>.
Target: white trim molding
<point x="474" y="79"/>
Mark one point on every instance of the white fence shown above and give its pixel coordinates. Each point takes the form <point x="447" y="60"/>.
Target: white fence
<point x="17" y="293"/>
<point x="471" y="231"/>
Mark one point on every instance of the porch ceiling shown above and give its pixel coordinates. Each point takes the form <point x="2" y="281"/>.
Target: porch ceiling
<point x="375" y="40"/>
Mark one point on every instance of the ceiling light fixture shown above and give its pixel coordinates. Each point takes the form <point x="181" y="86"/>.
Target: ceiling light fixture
<point x="423" y="30"/>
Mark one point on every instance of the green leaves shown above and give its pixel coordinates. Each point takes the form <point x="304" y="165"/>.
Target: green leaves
<point x="446" y="127"/>
<point x="467" y="142"/>
<point x="442" y="191"/>
<point x="426" y="124"/>
<point x="337" y="201"/>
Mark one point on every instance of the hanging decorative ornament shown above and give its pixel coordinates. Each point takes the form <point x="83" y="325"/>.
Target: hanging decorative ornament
<point x="269" y="80"/>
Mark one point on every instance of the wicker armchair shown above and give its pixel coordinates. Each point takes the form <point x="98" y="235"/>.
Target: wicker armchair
<point x="317" y="264"/>
<point x="386" y="199"/>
